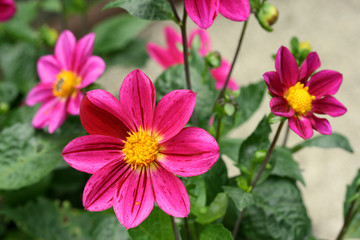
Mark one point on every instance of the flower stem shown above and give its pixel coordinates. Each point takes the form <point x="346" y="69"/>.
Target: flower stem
<point x="286" y="136"/>
<point x="218" y="128"/>
<point x="187" y="229"/>
<point x="173" y="8"/>
<point x="222" y="92"/>
<point x="176" y="233"/>
<point x="261" y="170"/>
<point x="185" y="48"/>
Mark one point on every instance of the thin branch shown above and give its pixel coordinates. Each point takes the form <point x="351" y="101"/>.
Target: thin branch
<point x="286" y="136"/>
<point x="176" y="232"/>
<point x="186" y="50"/>
<point x="187" y="230"/>
<point x="174" y="11"/>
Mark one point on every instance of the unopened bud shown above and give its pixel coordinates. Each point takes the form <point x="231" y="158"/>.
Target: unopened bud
<point x="267" y="16"/>
<point x="213" y="59"/>
<point x="304" y="46"/>
<point x="49" y="35"/>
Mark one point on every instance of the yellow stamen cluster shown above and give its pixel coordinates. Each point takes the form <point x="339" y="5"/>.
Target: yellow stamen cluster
<point x="299" y="98"/>
<point x="65" y="83"/>
<point x="140" y="149"/>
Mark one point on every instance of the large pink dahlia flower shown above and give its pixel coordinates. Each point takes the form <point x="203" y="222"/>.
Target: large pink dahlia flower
<point x="204" y="12"/>
<point x="62" y="77"/>
<point x="7" y="9"/>
<point x="171" y="55"/>
<point x="297" y="97"/>
<point x="134" y="150"/>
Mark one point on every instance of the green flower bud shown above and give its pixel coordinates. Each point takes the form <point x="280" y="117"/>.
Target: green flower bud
<point x="267" y="16"/>
<point x="49" y="35"/>
<point x="304" y="46"/>
<point x="4" y="107"/>
<point x="213" y="59"/>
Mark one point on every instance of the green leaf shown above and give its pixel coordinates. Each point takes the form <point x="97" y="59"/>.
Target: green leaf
<point x="215" y="178"/>
<point x="156" y="227"/>
<point x="146" y="9"/>
<point x="116" y="33"/>
<point x="352" y="194"/>
<point x="197" y="193"/>
<point x="335" y="140"/>
<point x="278" y="213"/>
<point x="24" y="157"/>
<point x="241" y="199"/>
<point x="230" y="147"/>
<point x="8" y="92"/>
<point x="285" y="165"/>
<point x="215" y="232"/>
<point x="216" y="209"/>
<point x="229" y="109"/>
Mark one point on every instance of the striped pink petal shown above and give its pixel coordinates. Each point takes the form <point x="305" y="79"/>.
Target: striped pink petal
<point x="275" y="86"/>
<point x="83" y="50"/>
<point x="329" y="105"/>
<point x="279" y="106"/>
<point x="287" y="67"/>
<point x="309" y="66"/>
<point x="326" y="82"/>
<point x="301" y="126"/>
<point x="65" y="49"/>
<point x="202" y="12"/>
<point x="238" y="10"/>
<point x="321" y="125"/>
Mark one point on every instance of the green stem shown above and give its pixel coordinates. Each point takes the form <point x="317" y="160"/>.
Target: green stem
<point x="176" y="232"/>
<point x="261" y="170"/>
<point x="173" y="8"/>
<point x="187" y="229"/>
<point x="186" y="50"/>
<point x="286" y="136"/>
<point x="218" y="128"/>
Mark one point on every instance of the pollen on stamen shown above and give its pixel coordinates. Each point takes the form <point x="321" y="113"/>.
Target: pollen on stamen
<point x="299" y="99"/>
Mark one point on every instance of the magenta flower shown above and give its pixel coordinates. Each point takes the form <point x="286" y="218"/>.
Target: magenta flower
<point x="171" y="55"/>
<point x="134" y="150"/>
<point x="7" y="9"/>
<point x="62" y="77"/>
<point x="297" y="98"/>
<point x="204" y="12"/>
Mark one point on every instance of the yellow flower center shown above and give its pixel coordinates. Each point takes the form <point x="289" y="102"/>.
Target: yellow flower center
<point x="299" y="98"/>
<point x="65" y="83"/>
<point x="140" y="149"/>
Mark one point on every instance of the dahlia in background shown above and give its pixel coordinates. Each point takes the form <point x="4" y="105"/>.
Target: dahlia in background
<point x="7" y="9"/>
<point x="171" y="55"/>
<point x="297" y="95"/>
<point x="62" y="77"/>
<point x="134" y="150"/>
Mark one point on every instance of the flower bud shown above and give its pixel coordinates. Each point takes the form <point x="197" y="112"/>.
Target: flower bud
<point x="49" y="35"/>
<point x="304" y="46"/>
<point x="213" y="59"/>
<point x="267" y="16"/>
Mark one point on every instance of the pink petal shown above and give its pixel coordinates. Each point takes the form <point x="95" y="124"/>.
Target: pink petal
<point x="238" y="10"/>
<point x="279" y="106"/>
<point x="170" y="192"/>
<point x="287" y="67"/>
<point x="162" y="56"/>
<point x="73" y="106"/>
<point x="202" y="12"/>
<point x="311" y="63"/>
<point x="7" y="9"/>
<point x="83" y="51"/>
<point x="92" y="152"/>
<point x="172" y="113"/>
<point x="137" y="98"/>
<point x="272" y="80"/>
<point x="134" y="198"/>
<point x="91" y="71"/>
<point x="47" y="68"/>
<point x="329" y="105"/>
<point x="204" y="40"/>
<point x="39" y="94"/>
<point x="65" y="49"/>
<point x="193" y="151"/>
<point x="100" y="115"/>
<point x="326" y="82"/>
<point x="220" y="75"/>
<point x="43" y="116"/>
<point x="100" y="188"/>
<point x="301" y="126"/>
<point x="58" y="116"/>
<point x="321" y="125"/>
<point x="172" y="41"/>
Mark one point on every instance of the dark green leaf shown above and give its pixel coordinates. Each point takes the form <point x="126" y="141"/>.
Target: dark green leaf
<point x="116" y="33"/>
<point x="335" y="140"/>
<point x="8" y="92"/>
<point x="285" y="165"/>
<point x="278" y="213"/>
<point x="156" y="227"/>
<point x="215" y="232"/>
<point x="230" y="147"/>
<point x="197" y="193"/>
<point x="146" y="9"/>
<point x="241" y="199"/>
<point x="216" y="209"/>
<point x="215" y="178"/>
<point x="352" y="194"/>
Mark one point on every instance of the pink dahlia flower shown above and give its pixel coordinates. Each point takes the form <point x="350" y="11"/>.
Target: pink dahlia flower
<point x="204" y="12"/>
<point x="134" y="150"/>
<point x="297" y="97"/>
<point x="7" y="9"/>
<point x="171" y="55"/>
<point x="62" y="77"/>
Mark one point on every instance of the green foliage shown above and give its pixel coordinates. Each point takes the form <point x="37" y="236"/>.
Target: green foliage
<point x="278" y="213"/>
<point x="215" y="178"/>
<point x="156" y="227"/>
<point x="241" y="199"/>
<point x="230" y="147"/>
<point x="215" y="210"/>
<point x="146" y="9"/>
<point x="353" y="194"/>
<point x="334" y="140"/>
<point x="215" y="232"/>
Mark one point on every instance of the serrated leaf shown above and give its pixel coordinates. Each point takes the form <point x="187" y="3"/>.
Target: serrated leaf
<point x="215" y="232"/>
<point x="116" y="33"/>
<point x="216" y="209"/>
<point x="156" y="227"/>
<point x="285" y="165"/>
<point x="335" y="140"/>
<point x="241" y="199"/>
<point x="278" y="213"/>
<point x="146" y="9"/>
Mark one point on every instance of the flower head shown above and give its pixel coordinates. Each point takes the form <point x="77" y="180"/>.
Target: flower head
<point x="7" y="9"/>
<point x="62" y="77"/>
<point x="172" y="55"/>
<point x="204" y="12"/>
<point x="297" y="95"/>
<point x="134" y="150"/>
